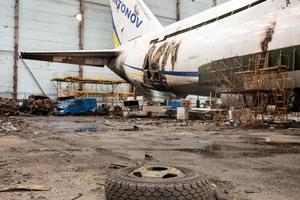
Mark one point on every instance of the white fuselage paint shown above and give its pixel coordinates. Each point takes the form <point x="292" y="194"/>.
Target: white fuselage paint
<point x="236" y="35"/>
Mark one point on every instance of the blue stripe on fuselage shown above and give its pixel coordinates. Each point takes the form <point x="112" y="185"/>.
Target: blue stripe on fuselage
<point x="171" y="73"/>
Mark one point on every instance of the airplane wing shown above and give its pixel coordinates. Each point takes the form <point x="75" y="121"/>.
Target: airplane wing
<point x="97" y="58"/>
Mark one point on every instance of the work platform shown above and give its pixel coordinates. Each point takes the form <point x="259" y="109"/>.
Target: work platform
<point x="254" y="89"/>
<point x="76" y="87"/>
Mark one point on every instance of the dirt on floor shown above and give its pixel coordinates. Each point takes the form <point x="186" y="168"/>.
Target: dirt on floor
<point x="69" y="156"/>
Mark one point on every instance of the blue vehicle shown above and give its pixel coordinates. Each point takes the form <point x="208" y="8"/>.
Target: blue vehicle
<point x="77" y="107"/>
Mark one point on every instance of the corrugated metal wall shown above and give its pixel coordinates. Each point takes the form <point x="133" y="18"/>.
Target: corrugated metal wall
<point x="6" y="46"/>
<point x="52" y="25"/>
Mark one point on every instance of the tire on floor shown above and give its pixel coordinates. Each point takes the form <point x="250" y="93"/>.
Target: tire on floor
<point x="157" y="183"/>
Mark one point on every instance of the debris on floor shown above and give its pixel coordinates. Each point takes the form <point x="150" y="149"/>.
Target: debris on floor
<point x="7" y="107"/>
<point x="25" y="187"/>
<point x="134" y="128"/>
<point x="77" y="197"/>
<point x="241" y="163"/>
<point x="117" y="166"/>
<point x="37" y="105"/>
<point x="148" y="157"/>
<point x="12" y="125"/>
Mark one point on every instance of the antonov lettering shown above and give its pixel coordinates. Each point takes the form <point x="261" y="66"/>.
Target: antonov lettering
<point x="131" y="16"/>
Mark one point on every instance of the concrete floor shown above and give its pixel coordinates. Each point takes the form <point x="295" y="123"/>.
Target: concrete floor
<point x="72" y="154"/>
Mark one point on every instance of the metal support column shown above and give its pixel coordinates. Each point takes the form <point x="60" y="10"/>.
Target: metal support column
<point x="81" y="37"/>
<point x="178" y="16"/>
<point x="215" y="3"/>
<point x="16" y="50"/>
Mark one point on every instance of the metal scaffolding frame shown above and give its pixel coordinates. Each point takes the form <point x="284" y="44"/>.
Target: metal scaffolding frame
<point x="251" y="87"/>
<point x="73" y="88"/>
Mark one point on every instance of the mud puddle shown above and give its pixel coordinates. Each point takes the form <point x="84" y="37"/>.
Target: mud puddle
<point x="90" y="129"/>
<point x="74" y="126"/>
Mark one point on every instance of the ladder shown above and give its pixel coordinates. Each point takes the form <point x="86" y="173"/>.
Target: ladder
<point x="262" y="60"/>
<point x="280" y="100"/>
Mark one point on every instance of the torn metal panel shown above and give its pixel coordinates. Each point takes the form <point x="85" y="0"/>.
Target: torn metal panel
<point x="167" y="54"/>
<point x="158" y="55"/>
<point x="156" y="60"/>
<point x="174" y="55"/>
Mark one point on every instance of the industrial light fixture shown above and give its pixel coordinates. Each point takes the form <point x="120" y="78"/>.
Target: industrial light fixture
<point x="78" y="17"/>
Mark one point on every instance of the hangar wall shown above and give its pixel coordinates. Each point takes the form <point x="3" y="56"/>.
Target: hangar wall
<point x="52" y="25"/>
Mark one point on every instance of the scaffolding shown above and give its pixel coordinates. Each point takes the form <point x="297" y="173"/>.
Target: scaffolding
<point x="254" y="90"/>
<point x="108" y="90"/>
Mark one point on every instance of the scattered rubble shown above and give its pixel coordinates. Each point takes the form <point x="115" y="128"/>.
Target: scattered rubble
<point x="8" y="107"/>
<point x="243" y="162"/>
<point x="78" y="196"/>
<point x="25" y="187"/>
<point x="148" y="157"/>
<point x="12" y="125"/>
<point x="134" y="128"/>
<point x="117" y="166"/>
<point x="37" y="105"/>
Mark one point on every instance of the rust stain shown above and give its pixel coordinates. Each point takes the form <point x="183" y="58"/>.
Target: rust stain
<point x="267" y="36"/>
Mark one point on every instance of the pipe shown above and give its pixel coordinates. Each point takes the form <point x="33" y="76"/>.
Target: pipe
<point x="34" y="78"/>
<point x="215" y="3"/>
<point x="81" y="38"/>
<point x="16" y="50"/>
<point x="178" y="13"/>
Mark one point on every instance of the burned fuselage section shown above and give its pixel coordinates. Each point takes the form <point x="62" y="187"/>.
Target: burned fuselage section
<point x="159" y="57"/>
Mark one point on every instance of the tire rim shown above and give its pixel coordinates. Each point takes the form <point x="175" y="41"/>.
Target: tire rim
<point x="157" y="172"/>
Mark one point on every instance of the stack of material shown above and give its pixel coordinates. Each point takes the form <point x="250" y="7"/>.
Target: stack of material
<point x="157" y="111"/>
<point x="39" y="105"/>
<point x="7" y="107"/>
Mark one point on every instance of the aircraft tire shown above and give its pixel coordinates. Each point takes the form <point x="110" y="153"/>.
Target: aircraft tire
<point x="120" y="186"/>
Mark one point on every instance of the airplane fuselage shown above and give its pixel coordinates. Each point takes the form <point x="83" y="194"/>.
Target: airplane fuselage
<point x="172" y="58"/>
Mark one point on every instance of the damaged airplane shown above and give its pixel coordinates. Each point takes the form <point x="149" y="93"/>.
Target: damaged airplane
<point x="173" y="58"/>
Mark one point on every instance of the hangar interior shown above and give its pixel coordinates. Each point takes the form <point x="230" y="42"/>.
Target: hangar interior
<point x="199" y="100"/>
<point x="55" y="25"/>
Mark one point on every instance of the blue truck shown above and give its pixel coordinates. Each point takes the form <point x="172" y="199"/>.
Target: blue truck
<point x="77" y="107"/>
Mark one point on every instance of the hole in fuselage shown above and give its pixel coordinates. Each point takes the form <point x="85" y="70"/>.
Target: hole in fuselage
<point x="146" y="65"/>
